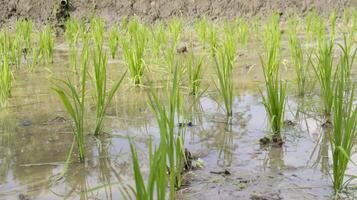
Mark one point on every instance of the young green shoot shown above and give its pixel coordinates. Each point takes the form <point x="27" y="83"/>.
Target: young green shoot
<point x="195" y="72"/>
<point x="344" y="123"/>
<point x="324" y="72"/>
<point x="201" y="30"/>
<point x="297" y="57"/>
<point x="6" y="78"/>
<point x="157" y="177"/>
<point x="224" y="57"/>
<point x="73" y="99"/>
<point x="134" y="47"/>
<point x="170" y="139"/>
<point x="275" y="98"/>
<point x="113" y="40"/>
<point x="103" y="98"/>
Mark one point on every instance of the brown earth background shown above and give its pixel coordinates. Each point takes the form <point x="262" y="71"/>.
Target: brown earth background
<point x="44" y="11"/>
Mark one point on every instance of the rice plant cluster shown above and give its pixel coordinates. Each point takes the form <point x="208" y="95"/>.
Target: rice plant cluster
<point x="157" y="60"/>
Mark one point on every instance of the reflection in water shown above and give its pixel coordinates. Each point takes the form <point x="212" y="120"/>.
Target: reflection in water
<point x="275" y="159"/>
<point x="226" y="148"/>
<point x="321" y="151"/>
<point x="7" y="131"/>
<point x="105" y="169"/>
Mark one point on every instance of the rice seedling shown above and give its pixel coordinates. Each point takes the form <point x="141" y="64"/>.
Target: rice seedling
<point x="73" y="100"/>
<point x="158" y="40"/>
<point x="344" y="133"/>
<point x="224" y="57"/>
<point x="297" y="57"/>
<point x="346" y="17"/>
<point x="315" y="28"/>
<point x="201" y="30"/>
<point x="113" y="40"/>
<point x="134" y="47"/>
<point x="157" y="177"/>
<point x="195" y="73"/>
<point x="347" y="58"/>
<point x="354" y="23"/>
<point x="242" y="31"/>
<point x="324" y="72"/>
<point x="170" y="139"/>
<point x="11" y="48"/>
<point x="103" y="98"/>
<point x="6" y="78"/>
<point x="24" y="30"/>
<point x="72" y="37"/>
<point x="72" y="29"/>
<point x="333" y="19"/>
<point x="212" y="38"/>
<point x="97" y="26"/>
<point x="175" y="29"/>
<point x="275" y="99"/>
<point x="46" y="45"/>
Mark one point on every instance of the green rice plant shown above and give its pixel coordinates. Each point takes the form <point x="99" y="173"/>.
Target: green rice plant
<point x="224" y="57"/>
<point x="45" y="46"/>
<point x="157" y="177"/>
<point x="212" y="38"/>
<point x="24" y="30"/>
<point x="170" y="139"/>
<point x="324" y="72"/>
<point x="297" y="56"/>
<point x="97" y="27"/>
<point x="47" y="43"/>
<point x="201" y="30"/>
<point x="103" y="98"/>
<point x="354" y="23"/>
<point x="72" y="29"/>
<point x="315" y="28"/>
<point x="242" y="30"/>
<point x="175" y="30"/>
<point x="6" y="78"/>
<point x="16" y="52"/>
<point x="347" y="58"/>
<point x="346" y="17"/>
<point x="195" y="73"/>
<point x="72" y="36"/>
<point x="344" y="133"/>
<point x="73" y="99"/>
<point x="113" y="40"/>
<point x="11" y="48"/>
<point x="275" y="99"/>
<point x="134" y="47"/>
<point x="333" y="19"/>
<point x="159" y="40"/>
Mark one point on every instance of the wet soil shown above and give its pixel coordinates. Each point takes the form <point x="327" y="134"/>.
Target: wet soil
<point x="43" y="11"/>
<point x="35" y="137"/>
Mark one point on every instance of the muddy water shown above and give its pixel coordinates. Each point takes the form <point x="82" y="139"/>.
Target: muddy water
<point x="35" y="136"/>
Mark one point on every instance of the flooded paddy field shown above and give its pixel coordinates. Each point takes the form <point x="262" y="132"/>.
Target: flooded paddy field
<point x="229" y="159"/>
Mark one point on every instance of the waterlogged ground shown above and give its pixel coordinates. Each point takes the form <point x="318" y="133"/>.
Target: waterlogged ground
<point x="35" y="136"/>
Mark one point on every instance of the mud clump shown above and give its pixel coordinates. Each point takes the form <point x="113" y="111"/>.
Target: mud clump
<point x="275" y="141"/>
<point x="182" y="50"/>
